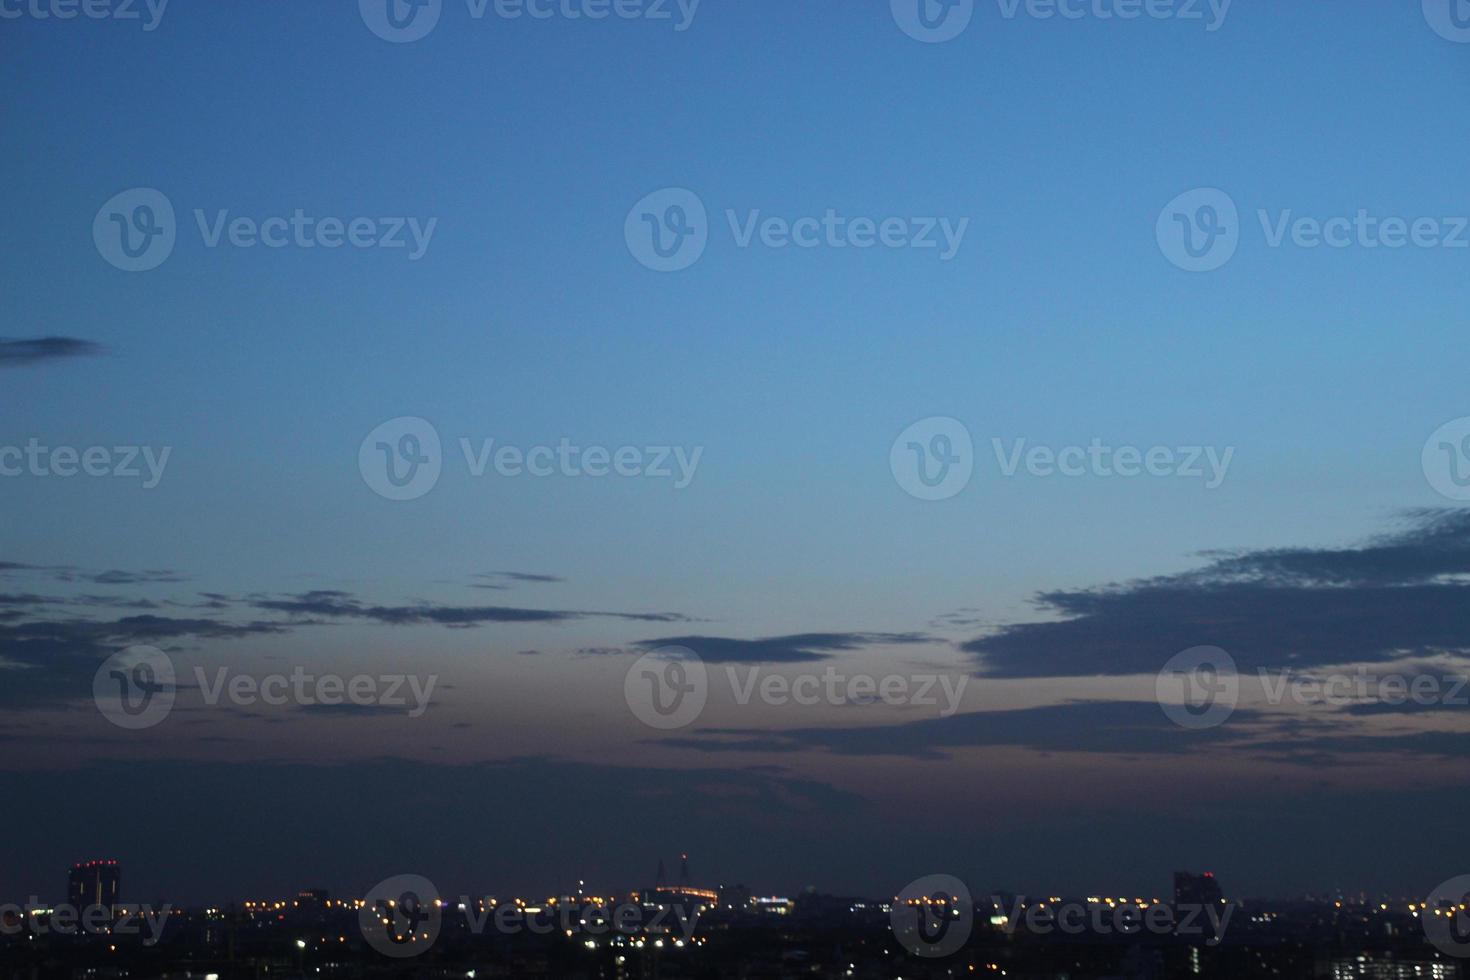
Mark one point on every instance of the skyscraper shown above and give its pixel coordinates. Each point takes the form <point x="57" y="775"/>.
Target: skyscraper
<point x="93" y="883"/>
<point x="1196" y="890"/>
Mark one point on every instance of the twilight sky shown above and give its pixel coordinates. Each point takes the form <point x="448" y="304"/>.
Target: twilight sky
<point x="528" y="316"/>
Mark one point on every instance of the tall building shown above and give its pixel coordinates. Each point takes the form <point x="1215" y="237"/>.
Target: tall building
<point x="93" y="883"/>
<point x="1196" y="890"/>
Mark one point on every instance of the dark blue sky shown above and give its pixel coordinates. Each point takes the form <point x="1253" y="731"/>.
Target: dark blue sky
<point x="512" y="156"/>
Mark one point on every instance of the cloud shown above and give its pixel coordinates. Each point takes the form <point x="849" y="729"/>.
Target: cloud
<point x="71" y="574"/>
<point x="352" y="710"/>
<point x="50" y="662"/>
<point x="793" y="649"/>
<point x="499" y="580"/>
<point x="22" y="353"/>
<point x="1403" y="594"/>
<point x="333" y="604"/>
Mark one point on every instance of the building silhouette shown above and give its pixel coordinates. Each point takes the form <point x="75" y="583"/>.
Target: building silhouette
<point x="1196" y="890"/>
<point x="94" y="883"/>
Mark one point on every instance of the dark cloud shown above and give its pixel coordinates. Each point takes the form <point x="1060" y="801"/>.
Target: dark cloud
<point x="70" y="574"/>
<point x="21" y="353"/>
<point x="332" y="604"/>
<point x="794" y="649"/>
<point x="113" y="602"/>
<point x="25" y="599"/>
<point x="131" y="578"/>
<point x="50" y="662"/>
<point x="1403" y="594"/>
<point x="499" y="580"/>
<point x="1332" y="749"/>
<point x="351" y="710"/>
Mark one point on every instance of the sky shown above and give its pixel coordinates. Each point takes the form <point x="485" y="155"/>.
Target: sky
<point x="786" y="409"/>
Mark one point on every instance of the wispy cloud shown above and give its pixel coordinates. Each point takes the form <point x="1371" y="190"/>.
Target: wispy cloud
<point x="796" y="648"/>
<point x="22" y="353"/>
<point x="333" y="604"/>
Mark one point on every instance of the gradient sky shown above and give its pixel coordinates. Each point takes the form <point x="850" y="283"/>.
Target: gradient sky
<point x="528" y="321"/>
